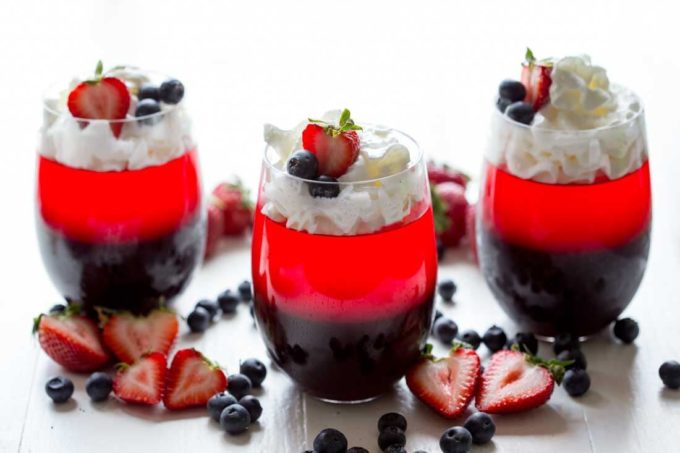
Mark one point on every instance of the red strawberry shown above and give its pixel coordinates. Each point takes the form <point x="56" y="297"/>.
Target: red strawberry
<point x="514" y="381"/>
<point x="142" y="382"/>
<point x="471" y="230"/>
<point x="234" y="203"/>
<point x="443" y="173"/>
<point x="192" y="380"/>
<point x="536" y="79"/>
<point x="448" y="384"/>
<point x="129" y="337"/>
<point x="215" y="229"/>
<point x="336" y="147"/>
<point x="101" y="98"/>
<point x="71" y="340"/>
<point x="450" y="207"/>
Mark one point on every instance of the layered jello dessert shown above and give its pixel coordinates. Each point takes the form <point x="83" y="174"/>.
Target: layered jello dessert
<point x="565" y="213"/>
<point x="344" y="255"/>
<point x="119" y="213"/>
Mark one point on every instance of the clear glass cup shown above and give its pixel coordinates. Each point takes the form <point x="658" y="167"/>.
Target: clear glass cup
<point x="344" y="287"/>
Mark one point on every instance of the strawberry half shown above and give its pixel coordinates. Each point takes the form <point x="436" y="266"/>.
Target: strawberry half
<point x="101" y="98"/>
<point x="233" y="201"/>
<point x="514" y="381"/>
<point x="448" y="384"/>
<point x="129" y="337"/>
<point x="536" y="78"/>
<point x="336" y="147"/>
<point x="142" y="382"/>
<point x="71" y="340"/>
<point x="192" y="380"/>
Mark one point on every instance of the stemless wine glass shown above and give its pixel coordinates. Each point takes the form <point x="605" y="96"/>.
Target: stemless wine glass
<point x="563" y="223"/>
<point x="344" y="309"/>
<point x="119" y="211"/>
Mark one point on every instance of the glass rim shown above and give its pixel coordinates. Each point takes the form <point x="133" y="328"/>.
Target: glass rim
<point x="413" y="163"/>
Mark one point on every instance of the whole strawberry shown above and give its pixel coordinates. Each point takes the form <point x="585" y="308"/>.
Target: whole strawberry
<point x="215" y="229"/>
<point x="232" y="200"/>
<point x="471" y="230"/>
<point x="438" y="174"/>
<point x="450" y="210"/>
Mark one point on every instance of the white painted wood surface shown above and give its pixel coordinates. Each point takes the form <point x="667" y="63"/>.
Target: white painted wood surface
<point x="429" y="68"/>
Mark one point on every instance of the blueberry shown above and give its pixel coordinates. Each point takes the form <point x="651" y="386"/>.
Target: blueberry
<point x="526" y="342"/>
<point x="446" y="290"/>
<point x="217" y="403"/>
<point x="494" y="338"/>
<point x="303" y="164"/>
<point x="471" y="337"/>
<point x="239" y="385"/>
<point x="481" y="427"/>
<point x="235" y="419"/>
<point x="198" y="320"/>
<point x="441" y="249"/>
<point x="520" y="112"/>
<point x="456" y="440"/>
<point x="147" y="107"/>
<point x="255" y="370"/>
<point x="392" y="419"/>
<point x="228" y="301"/>
<point x="626" y="330"/>
<point x="576" y="382"/>
<point x="669" y="372"/>
<point x="57" y="309"/>
<point x="209" y="306"/>
<point x="565" y="342"/>
<point x="327" y="187"/>
<point x="576" y="356"/>
<point x="445" y="330"/>
<point x="512" y="90"/>
<point x="245" y="290"/>
<point x="171" y="91"/>
<point x="391" y="435"/>
<point x="253" y="407"/>
<point x="59" y="389"/>
<point x="395" y="449"/>
<point x="502" y="104"/>
<point x="99" y="386"/>
<point x="330" y="440"/>
<point x="149" y="91"/>
<point x="357" y="450"/>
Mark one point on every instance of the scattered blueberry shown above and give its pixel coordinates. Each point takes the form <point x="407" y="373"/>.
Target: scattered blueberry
<point x="395" y="449"/>
<point x="171" y="91"/>
<point x="245" y="290"/>
<point x="147" y="107"/>
<point x="253" y="407"/>
<point x="481" y="427"/>
<point x="99" y="386"/>
<point x="198" y="320"/>
<point x="391" y="435"/>
<point x="209" y="306"/>
<point x="57" y="309"/>
<point x="576" y="382"/>
<point x="235" y="419"/>
<point x="327" y="187"/>
<point x="330" y="440"/>
<point x="255" y="370"/>
<point x="217" y="403"/>
<point x="669" y="372"/>
<point x="575" y="355"/>
<point x="526" y="342"/>
<point x="441" y="249"/>
<point x="59" y="389"/>
<point x="239" y="385"/>
<point x="357" y="450"/>
<point x="228" y="301"/>
<point x="472" y="338"/>
<point x="565" y="342"/>
<point x="445" y="330"/>
<point x="392" y="419"/>
<point x="446" y="290"/>
<point x="303" y="164"/>
<point x="149" y="91"/>
<point x="512" y="90"/>
<point x="626" y="330"/>
<point x="456" y="440"/>
<point x="520" y="112"/>
<point x="494" y="338"/>
<point x="502" y="104"/>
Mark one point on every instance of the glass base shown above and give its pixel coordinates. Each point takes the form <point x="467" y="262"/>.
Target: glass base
<point x="548" y="339"/>
<point x="350" y="402"/>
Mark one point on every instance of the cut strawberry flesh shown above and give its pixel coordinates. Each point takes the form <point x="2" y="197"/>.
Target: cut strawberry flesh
<point x="142" y="382"/>
<point x="335" y="154"/>
<point x="105" y="99"/>
<point x="192" y="380"/>
<point x="130" y="337"/>
<point x="536" y="78"/>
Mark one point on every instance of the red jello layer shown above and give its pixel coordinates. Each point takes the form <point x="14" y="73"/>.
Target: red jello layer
<point x="568" y="217"/>
<point x="118" y="206"/>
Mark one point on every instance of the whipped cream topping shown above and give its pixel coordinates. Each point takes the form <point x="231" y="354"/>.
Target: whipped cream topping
<point x="95" y="147"/>
<point x="588" y="129"/>
<point x="365" y="203"/>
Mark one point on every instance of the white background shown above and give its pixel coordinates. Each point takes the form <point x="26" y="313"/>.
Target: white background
<point x="429" y="68"/>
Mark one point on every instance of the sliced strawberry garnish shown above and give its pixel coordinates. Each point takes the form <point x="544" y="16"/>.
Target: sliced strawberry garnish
<point x="143" y="381"/>
<point x="514" y="381"/>
<point x="71" y="340"/>
<point x="192" y="380"/>
<point x="336" y="147"/>
<point x="101" y="98"/>
<point x="536" y="78"/>
<point x="129" y="337"/>
<point x="448" y="384"/>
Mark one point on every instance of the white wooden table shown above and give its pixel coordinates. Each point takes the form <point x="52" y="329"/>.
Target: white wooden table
<point x="429" y="68"/>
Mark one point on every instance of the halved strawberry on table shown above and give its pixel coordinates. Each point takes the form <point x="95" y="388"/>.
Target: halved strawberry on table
<point x="100" y="98"/>
<point x="536" y="78"/>
<point x="143" y="382"/>
<point x="192" y="379"/>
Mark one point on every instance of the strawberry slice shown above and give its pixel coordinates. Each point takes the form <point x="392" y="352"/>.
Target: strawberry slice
<point x="514" y="381"/>
<point x="71" y="340"/>
<point x="192" y="380"/>
<point x="129" y="337"/>
<point x="142" y="382"/>
<point x="536" y="78"/>
<point x="100" y="98"/>
<point x="448" y="384"/>
<point x="336" y="147"/>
